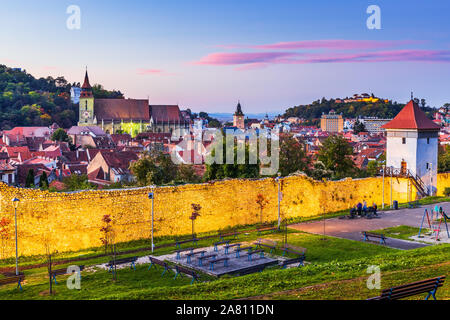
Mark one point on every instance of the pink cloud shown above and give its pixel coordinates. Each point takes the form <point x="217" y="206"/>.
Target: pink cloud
<point x="154" y="72"/>
<point x="336" y="44"/>
<point x="261" y="59"/>
<point x="244" y="58"/>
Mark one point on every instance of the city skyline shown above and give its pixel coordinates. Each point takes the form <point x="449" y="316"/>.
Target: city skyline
<point x="270" y="56"/>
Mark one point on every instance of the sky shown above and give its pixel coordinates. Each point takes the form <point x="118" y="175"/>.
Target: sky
<point x="207" y="55"/>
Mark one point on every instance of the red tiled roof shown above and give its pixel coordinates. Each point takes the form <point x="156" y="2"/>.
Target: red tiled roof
<point x="117" y="109"/>
<point x="411" y="117"/>
<point x="162" y="113"/>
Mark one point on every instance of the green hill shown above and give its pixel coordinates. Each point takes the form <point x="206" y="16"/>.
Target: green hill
<point x="27" y="101"/>
<point x="312" y="112"/>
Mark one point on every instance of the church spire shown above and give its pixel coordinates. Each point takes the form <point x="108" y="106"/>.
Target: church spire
<point x="86" y="89"/>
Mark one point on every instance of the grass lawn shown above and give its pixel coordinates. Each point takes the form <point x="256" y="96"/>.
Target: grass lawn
<point x="400" y="232"/>
<point x="356" y="289"/>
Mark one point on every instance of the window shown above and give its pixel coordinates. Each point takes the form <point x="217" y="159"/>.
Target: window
<point x="403" y="140"/>
<point x="428" y="140"/>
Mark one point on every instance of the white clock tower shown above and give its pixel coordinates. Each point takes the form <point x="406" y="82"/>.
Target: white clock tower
<point x="86" y="106"/>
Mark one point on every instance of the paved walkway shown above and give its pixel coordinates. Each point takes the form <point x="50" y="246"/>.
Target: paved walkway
<point x="351" y="228"/>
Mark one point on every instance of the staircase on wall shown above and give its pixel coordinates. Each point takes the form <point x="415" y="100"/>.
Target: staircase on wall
<point x="416" y="181"/>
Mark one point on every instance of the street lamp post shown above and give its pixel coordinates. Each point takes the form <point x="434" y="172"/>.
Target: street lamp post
<point x="151" y="195"/>
<point x="392" y="204"/>
<point x="382" y="204"/>
<point x="279" y="200"/>
<point x="15" y="202"/>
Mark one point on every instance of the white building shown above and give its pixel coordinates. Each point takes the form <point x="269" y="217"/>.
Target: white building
<point x="412" y="145"/>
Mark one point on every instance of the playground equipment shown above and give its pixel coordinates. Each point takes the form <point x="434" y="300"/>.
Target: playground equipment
<point x="435" y="219"/>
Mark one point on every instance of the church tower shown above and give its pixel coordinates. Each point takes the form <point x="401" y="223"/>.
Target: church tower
<point x="238" y="117"/>
<point x="412" y="145"/>
<point x="86" y="106"/>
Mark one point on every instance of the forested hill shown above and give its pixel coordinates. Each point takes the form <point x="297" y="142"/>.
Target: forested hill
<point x="27" y="101"/>
<point x="312" y="112"/>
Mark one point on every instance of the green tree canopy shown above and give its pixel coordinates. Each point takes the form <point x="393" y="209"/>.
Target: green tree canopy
<point x="335" y="153"/>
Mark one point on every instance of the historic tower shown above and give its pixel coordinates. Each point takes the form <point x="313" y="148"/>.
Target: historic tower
<point x="86" y="106"/>
<point x="238" y="117"/>
<point x="412" y="145"/>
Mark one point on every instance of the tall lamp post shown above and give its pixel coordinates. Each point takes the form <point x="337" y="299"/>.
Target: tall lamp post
<point x="15" y="202"/>
<point x="279" y="200"/>
<point x="151" y="196"/>
<point x="382" y="196"/>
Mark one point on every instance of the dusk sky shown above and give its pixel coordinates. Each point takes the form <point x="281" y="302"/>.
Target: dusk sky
<point x="206" y="55"/>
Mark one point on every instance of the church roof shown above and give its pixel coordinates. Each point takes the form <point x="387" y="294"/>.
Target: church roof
<point x="239" y="110"/>
<point x="118" y="109"/>
<point x="86" y="84"/>
<point x="411" y="117"/>
<point x="164" y="113"/>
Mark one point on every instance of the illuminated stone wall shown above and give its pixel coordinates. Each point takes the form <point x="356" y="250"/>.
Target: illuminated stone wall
<point x="72" y="221"/>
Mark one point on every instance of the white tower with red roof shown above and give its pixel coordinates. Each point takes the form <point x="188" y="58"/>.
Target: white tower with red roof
<point x="412" y="146"/>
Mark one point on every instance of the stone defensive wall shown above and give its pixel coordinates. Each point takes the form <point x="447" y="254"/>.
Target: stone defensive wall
<point x="67" y="222"/>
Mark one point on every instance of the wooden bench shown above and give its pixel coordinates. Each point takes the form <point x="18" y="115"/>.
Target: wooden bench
<point x="233" y="234"/>
<point x="212" y="262"/>
<point x="298" y="260"/>
<point x="368" y="235"/>
<point x="183" y="250"/>
<point x="266" y="243"/>
<point x="228" y="246"/>
<point x="130" y="260"/>
<point x="155" y="261"/>
<point x="13" y="279"/>
<point x="265" y="227"/>
<point x="180" y="241"/>
<point x="299" y="251"/>
<point x="182" y="270"/>
<point x="60" y="272"/>
<point x="239" y="249"/>
<point x="191" y="254"/>
<point x="413" y="204"/>
<point x="429" y="286"/>
<point x="252" y="269"/>
<point x="220" y="243"/>
<point x="251" y="253"/>
<point x="200" y="259"/>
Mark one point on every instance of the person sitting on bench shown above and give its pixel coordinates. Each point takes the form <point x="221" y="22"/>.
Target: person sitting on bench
<point x="359" y="208"/>
<point x="353" y="212"/>
<point x="364" y="209"/>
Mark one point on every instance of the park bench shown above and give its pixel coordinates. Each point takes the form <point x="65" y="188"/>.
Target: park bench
<point x="266" y="243"/>
<point x="228" y="246"/>
<point x="200" y="259"/>
<point x="298" y="260"/>
<point x="220" y="243"/>
<point x="252" y="269"/>
<point x="191" y="254"/>
<point x="13" y="279"/>
<point x="183" y="250"/>
<point x="181" y="240"/>
<point x="368" y="235"/>
<point x="413" y="204"/>
<point x="239" y="249"/>
<point x="222" y="235"/>
<point x="63" y="271"/>
<point x="251" y="253"/>
<point x="265" y="227"/>
<point x="159" y="263"/>
<point x="299" y="251"/>
<point x="212" y="262"/>
<point x="182" y="270"/>
<point x="130" y="260"/>
<point x="429" y="286"/>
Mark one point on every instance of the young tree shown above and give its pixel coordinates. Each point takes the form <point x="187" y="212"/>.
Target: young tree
<point x="195" y="213"/>
<point x="262" y="202"/>
<point x="335" y="153"/>
<point x="61" y="135"/>
<point x="29" y="182"/>
<point x="106" y="230"/>
<point x="43" y="181"/>
<point x="292" y="156"/>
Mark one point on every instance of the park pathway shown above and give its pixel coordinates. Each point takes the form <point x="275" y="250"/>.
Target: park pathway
<point x="351" y="228"/>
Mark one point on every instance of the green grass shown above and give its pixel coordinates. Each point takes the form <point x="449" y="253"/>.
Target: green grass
<point x="356" y="289"/>
<point x="399" y="232"/>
